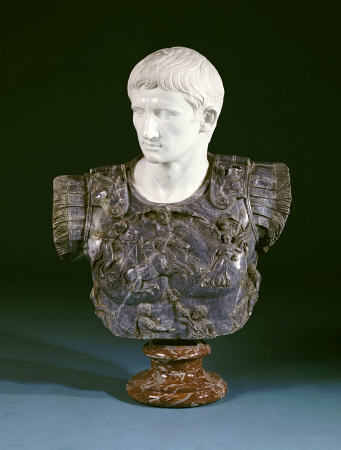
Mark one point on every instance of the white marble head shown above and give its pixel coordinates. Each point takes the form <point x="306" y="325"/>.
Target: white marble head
<point x="181" y="69"/>
<point x="176" y="96"/>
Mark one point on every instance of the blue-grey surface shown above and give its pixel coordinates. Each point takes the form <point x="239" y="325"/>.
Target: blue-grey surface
<point x="63" y="375"/>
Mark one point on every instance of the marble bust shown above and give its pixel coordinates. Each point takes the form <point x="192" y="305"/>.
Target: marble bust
<point x="173" y="236"/>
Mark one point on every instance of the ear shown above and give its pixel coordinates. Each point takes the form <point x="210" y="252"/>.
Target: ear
<point x="209" y="120"/>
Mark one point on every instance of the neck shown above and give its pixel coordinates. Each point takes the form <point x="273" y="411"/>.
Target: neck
<point x="172" y="181"/>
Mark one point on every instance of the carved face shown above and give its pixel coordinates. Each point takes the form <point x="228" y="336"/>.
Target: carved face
<point x="166" y="126"/>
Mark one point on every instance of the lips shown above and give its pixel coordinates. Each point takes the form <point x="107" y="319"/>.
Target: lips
<point x="149" y="144"/>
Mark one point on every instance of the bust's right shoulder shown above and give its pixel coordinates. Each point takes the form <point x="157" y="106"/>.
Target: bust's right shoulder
<point x="108" y="188"/>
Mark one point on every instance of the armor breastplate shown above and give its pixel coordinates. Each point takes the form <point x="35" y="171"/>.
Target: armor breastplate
<point x="179" y="270"/>
<point x="184" y="270"/>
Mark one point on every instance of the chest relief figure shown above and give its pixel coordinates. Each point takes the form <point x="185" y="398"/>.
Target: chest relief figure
<point x="173" y="236"/>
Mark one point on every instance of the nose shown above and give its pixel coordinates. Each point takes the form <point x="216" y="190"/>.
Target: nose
<point x="150" y="129"/>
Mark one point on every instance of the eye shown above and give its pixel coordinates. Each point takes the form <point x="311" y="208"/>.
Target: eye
<point x="138" y="111"/>
<point x="164" y="114"/>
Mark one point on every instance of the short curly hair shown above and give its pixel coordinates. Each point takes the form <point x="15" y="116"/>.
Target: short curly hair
<point x="183" y="70"/>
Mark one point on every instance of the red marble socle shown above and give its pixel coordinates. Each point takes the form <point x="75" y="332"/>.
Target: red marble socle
<point x="176" y="378"/>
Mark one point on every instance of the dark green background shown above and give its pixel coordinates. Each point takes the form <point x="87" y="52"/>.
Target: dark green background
<point x="64" y="69"/>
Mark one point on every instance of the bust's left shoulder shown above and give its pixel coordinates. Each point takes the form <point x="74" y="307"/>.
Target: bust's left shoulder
<point x="265" y="185"/>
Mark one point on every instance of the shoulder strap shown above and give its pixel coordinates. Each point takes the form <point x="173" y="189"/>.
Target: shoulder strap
<point x="109" y="189"/>
<point x="230" y="181"/>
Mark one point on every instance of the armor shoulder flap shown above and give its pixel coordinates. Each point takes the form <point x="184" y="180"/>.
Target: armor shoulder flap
<point x="270" y="199"/>
<point x="70" y="201"/>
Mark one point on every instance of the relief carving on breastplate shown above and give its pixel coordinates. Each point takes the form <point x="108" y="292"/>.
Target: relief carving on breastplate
<point x="140" y="255"/>
<point x="230" y="258"/>
<point x="244" y="306"/>
<point x="194" y="320"/>
<point x="146" y="322"/>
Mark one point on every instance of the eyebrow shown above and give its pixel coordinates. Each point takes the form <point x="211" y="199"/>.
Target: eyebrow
<point x="158" y="107"/>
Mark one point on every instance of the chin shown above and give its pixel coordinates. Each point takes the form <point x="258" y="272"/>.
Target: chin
<point x="152" y="157"/>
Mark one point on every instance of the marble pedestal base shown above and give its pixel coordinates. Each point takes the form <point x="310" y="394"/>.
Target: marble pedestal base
<point x="176" y="378"/>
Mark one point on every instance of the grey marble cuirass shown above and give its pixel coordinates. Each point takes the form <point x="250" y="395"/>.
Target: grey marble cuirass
<point x="184" y="270"/>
